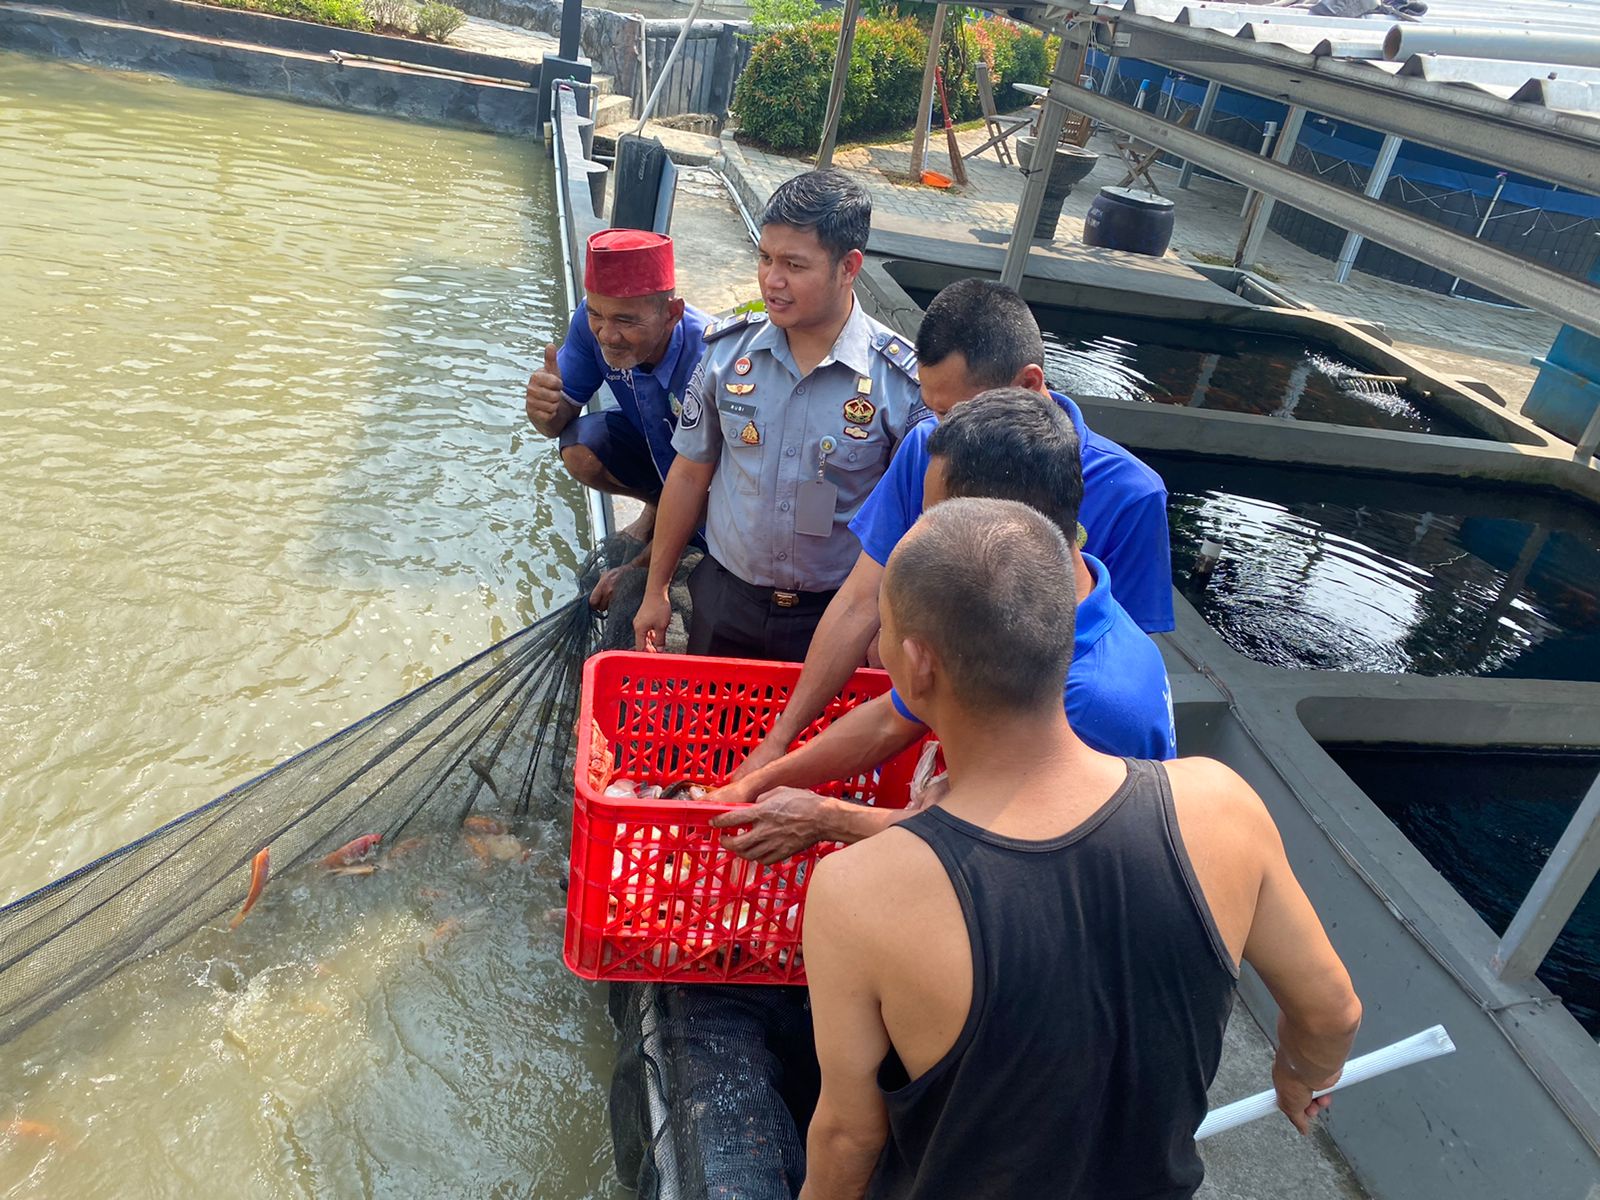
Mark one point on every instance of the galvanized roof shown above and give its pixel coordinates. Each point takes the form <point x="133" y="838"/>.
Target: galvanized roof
<point x="1512" y="43"/>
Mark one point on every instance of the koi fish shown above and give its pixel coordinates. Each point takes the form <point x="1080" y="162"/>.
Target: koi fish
<point x="259" y="867"/>
<point x="479" y="823"/>
<point x="22" y="1127"/>
<point x="355" y="869"/>
<point x="351" y="851"/>
<point x="401" y="849"/>
<point x="490" y="848"/>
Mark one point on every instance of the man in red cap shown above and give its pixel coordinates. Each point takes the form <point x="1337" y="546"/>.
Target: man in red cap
<point x="634" y="335"/>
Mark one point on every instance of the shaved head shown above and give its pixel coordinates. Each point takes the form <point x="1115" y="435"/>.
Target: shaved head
<point x="986" y="587"/>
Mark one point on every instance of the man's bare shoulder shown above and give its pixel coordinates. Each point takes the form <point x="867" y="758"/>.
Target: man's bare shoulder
<point x="892" y="865"/>
<point x="1210" y="796"/>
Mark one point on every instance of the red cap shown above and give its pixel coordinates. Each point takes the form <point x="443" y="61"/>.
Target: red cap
<point x="628" y="262"/>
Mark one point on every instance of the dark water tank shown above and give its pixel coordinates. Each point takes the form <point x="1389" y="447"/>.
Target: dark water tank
<point x="1126" y="219"/>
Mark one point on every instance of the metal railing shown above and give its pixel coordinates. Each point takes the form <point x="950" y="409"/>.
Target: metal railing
<point x="577" y="215"/>
<point x="1550" y="902"/>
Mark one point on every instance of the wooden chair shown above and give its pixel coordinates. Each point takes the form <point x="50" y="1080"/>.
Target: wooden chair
<point x="1000" y="128"/>
<point x="1140" y="156"/>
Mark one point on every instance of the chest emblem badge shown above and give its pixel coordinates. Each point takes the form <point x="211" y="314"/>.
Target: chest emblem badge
<point x="750" y="435"/>
<point x="858" y="410"/>
<point x="855" y="431"/>
<point x="742" y="367"/>
<point x="740" y="389"/>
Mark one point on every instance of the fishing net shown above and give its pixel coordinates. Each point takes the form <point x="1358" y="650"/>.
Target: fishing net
<point x="494" y="733"/>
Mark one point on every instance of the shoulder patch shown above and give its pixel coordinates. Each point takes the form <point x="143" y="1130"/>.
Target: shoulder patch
<point x="733" y="324"/>
<point x="898" y="351"/>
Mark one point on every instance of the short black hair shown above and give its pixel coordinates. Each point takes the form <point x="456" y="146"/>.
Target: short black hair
<point x="988" y="586"/>
<point x="830" y="202"/>
<point x="988" y="324"/>
<point x="1013" y="444"/>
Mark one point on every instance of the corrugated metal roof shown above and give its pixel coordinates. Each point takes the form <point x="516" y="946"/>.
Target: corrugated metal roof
<point x="1360" y="41"/>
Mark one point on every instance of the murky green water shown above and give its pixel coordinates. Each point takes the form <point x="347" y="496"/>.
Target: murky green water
<point x="265" y="468"/>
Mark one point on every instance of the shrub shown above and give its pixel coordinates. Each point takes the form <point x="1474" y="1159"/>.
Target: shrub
<point x="769" y="16"/>
<point x="439" y="21"/>
<point x="782" y="96"/>
<point x="399" y="15"/>
<point x="347" y="14"/>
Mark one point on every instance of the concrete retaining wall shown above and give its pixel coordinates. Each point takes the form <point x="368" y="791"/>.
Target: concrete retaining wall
<point x="308" y="77"/>
<point x="280" y="33"/>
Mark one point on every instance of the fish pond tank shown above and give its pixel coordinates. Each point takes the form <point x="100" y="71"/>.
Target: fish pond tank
<point x="1335" y="571"/>
<point x="1487" y="820"/>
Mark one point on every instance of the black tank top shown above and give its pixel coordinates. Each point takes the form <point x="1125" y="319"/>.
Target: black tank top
<point x="1100" y="990"/>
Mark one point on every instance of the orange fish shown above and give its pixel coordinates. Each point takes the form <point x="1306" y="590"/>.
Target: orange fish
<point x="22" y="1127"/>
<point x="478" y="823"/>
<point x="401" y="849"/>
<point x="259" y="867"/>
<point x="351" y="851"/>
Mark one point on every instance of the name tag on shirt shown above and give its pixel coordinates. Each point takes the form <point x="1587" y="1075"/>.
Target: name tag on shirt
<point x="734" y="408"/>
<point x="814" y="502"/>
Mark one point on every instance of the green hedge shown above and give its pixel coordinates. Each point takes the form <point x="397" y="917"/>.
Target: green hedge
<point x="783" y="93"/>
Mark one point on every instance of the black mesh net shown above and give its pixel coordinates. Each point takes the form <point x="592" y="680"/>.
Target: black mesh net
<point x="494" y="733"/>
<point x="711" y="1083"/>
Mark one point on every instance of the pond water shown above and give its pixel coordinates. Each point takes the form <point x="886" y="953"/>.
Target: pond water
<point x="266" y="469"/>
<point x="1487" y="821"/>
<point x="1343" y="572"/>
<point x="1209" y="366"/>
<point x="1227" y="370"/>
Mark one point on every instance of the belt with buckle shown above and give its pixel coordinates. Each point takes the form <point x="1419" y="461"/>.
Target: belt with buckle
<point x="786" y="599"/>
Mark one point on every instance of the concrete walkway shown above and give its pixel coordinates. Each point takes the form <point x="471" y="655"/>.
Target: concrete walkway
<point x="1462" y="337"/>
<point x="506" y="41"/>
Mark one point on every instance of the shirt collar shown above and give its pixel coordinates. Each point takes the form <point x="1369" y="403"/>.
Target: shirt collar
<point x="1073" y="411"/>
<point x="1098" y="608"/>
<point x="853" y="346"/>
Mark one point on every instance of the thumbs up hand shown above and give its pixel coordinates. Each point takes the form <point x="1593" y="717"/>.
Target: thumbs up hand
<point x="545" y="397"/>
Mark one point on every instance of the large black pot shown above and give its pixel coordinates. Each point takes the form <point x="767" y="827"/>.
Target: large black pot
<point x="1069" y="166"/>
<point x="1125" y="219"/>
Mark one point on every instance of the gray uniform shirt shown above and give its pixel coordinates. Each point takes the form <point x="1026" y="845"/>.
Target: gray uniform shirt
<point x="748" y="409"/>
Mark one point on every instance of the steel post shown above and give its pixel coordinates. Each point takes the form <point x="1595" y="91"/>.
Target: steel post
<point x="841" y="72"/>
<point x="1038" y="173"/>
<point x="1376" y="182"/>
<point x="666" y="67"/>
<point x="919" y="136"/>
<point x="1208" y="109"/>
<point x="1565" y="877"/>
<point x="1255" y="222"/>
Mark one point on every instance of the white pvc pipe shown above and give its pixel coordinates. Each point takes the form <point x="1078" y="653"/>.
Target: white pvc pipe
<point x="1529" y="45"/>
<point x="1420" y="1047"/>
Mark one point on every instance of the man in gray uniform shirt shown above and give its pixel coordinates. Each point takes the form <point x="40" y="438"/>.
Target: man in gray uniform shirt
<point x="787" y="425"/>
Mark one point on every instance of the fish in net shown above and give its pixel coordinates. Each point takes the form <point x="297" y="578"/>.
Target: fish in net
<point x="495" y="732"/>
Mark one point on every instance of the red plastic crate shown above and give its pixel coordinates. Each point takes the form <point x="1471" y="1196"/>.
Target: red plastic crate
<point x="653" y="896"/>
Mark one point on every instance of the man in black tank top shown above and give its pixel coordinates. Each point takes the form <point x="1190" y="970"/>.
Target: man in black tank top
<point x="1022" y="992"/>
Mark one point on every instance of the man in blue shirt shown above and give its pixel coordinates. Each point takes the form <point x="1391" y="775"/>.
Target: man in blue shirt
<point x="632" y="333"/>
<point x="978" y="335"/>
<point x="1007" y="444"/>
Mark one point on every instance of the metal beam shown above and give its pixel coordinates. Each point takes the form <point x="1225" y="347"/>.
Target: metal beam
<point x="1259" y="210"/>
<point x="1208" y="109"/>
<point x="1548" y="144"/>
<point x="1041" y="162"/>
<point x="841" y="72"/>
<point x="1562" y="881"/>
<point x="1576" y="303"/>
<point x="1376" y="182"/>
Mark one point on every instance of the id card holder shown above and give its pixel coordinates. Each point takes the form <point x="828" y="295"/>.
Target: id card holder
<point x="816" y="499"/>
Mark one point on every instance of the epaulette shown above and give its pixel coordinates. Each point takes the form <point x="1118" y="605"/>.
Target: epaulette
<point x="732" y="324"/>
<point x="898" y="351"/>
